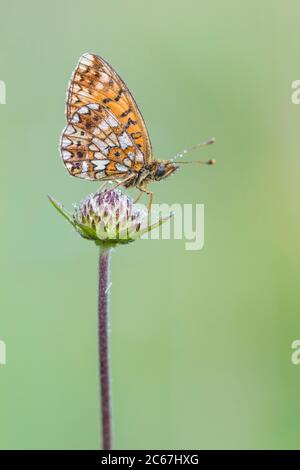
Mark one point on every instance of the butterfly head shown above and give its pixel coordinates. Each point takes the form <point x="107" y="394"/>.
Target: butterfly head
<point x="162" y="169"/>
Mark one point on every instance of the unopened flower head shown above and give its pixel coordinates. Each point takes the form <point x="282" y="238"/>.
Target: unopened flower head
<point x="109" y="218"/>
<point x="112" y="215"/>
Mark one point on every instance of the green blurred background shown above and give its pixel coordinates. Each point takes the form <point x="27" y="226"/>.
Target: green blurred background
<point x="201" y="341"/>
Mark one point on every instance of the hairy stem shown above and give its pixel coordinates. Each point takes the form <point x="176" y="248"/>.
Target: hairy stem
<point x="104" y="359"/>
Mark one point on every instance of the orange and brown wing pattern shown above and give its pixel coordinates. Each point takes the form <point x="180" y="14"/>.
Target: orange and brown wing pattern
<point x="95" y="81"/>
<point x="95" y="146"/>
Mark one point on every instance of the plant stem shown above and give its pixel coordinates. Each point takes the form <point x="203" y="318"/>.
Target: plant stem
<point x="104" y="360"/>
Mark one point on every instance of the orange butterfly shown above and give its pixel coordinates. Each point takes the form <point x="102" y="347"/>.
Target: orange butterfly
<point x="105" y="137"/>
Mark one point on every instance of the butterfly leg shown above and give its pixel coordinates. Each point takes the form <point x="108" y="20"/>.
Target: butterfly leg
<point x="150" y="201"/>
<point x="150" y="206"/>
<point x="103" y="185"/>
<point x="121" y="183"/>
<point x="143" y="189"/>
<point x="138" y="198"/>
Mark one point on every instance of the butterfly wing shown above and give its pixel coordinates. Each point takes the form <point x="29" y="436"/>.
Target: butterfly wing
<point x="95" y="81"/>
<point x="95" y="146"/>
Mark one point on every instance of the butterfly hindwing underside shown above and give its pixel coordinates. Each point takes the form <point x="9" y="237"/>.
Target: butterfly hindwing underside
<point x="105" y="136"/>
<point x="95" y="146"/>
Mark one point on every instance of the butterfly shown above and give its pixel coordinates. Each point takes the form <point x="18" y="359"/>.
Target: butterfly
<point x="106" y="138"/>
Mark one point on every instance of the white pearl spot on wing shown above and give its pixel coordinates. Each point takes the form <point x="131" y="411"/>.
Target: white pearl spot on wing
<point x="127" y="161"/>
<point x="93" y="106"/>
<point x="75" y="119"/>
<point x="66" y="155"/>
<point x="100" y="164"/>
<point x="70" y="130"/>
<point x="124" y="140"/>
<point x="66" y="142"/>
<point x="139" y="157"/>
<point x="103" y="126"/>
<point x="104" y="78"/>
<point x="85" y="167"/>
<point x="100" y="145"/>
<point x="112" y="121"/>
<point x="83" y="110"/>
<point x="121" y="168"/>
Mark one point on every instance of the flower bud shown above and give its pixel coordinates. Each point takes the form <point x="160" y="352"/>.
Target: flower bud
<point x="109" y="218"/>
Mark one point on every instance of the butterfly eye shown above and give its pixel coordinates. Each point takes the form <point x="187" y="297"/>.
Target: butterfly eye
<point x="160" y="170"/>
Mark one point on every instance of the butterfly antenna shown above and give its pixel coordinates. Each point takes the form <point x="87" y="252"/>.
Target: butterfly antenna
<point x="195" y="147"/>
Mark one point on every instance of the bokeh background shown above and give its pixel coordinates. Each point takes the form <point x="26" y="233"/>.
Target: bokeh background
<point x="200" y="341"/>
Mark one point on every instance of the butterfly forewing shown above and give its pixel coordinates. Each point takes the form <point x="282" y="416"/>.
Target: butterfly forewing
<point x="95" y="146"/>
<point x="95" y="81"/>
